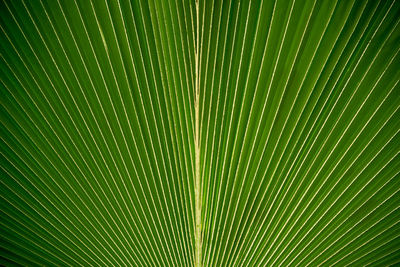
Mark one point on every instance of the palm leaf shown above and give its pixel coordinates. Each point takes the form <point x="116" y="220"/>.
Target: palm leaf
<point x="200" y="133"/>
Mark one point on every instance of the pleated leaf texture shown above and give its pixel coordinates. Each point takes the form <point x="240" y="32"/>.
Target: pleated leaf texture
<point x="200" y="133"/>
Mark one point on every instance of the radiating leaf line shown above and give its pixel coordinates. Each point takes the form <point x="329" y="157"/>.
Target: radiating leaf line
<point x="65" y="54"/>
<point x="365" y="168"/>
<point x="43" y="134"/>
<point x="346" y="169"/>
<point x="93" y="86"/>
<point x="346" y="129"/>
<point x="53" y="235"/>
<point x="208" y="247"/>
<point x="396" y="223"/>
<point x="27" y="238"/>
<point x="16" y="180"/>
<point x="118" y="122"/>
<point x="229" y="135"/>
<point x="39" y="33"/>
<point x="321" y="128"/>
<point x="157" y="94"/>
<point x="154" y="79"/>
<point x="370" y="92"/>
<point x="184" y="106"/>
<point x="371" y="251"/>
<point x="17" y="169"/>
<point x="275" y="64"/>
<point x="357" y="192"/>
<point x="168" y="212"/>
<point x="240" y="157"/>
<point x="173" y="81"/>
<point x="43" y="40"/>
<point x="285" y="123"/>
<point x="207" y="192"/>
<point x="297" y="141"/>
<point x="376" y="222"/>
<point x="187" y="127"/>
<point x="152" y="65"/>
<point x="207" y="213"/>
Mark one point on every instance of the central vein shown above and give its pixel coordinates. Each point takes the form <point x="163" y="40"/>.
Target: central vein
<point x="198" y="204"/>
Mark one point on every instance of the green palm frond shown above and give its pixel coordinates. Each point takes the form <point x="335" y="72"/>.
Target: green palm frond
<point x="200" y="133"/>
